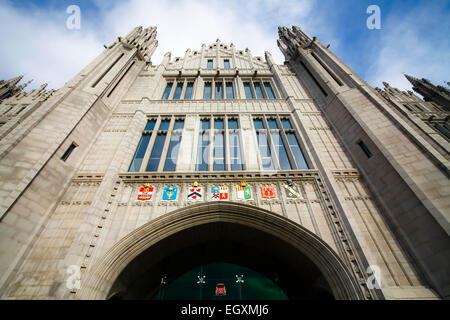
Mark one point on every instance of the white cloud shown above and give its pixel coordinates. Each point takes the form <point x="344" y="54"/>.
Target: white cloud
<point x="39" y="45"/>
<point x="412" y="44"/>
<point x="188" y="24"/>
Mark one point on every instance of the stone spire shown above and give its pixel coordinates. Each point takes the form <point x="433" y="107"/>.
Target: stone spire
<point x="142" y="39"/>
<point x="437" y="94"/>
<point x="9" y="87"/>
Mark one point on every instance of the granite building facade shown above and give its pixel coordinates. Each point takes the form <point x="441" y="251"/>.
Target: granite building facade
<point x="134" y="173"/>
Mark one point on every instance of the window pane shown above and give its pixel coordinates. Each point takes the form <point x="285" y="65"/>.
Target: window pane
<point x="179" y="125"/>
<point x="139" y="155"/>
<point x="298" y="154"/>
<point x="286" y="124"/>
<point x="235" y="152"/>
<point x="219" y="90"/>
<point x="66" y="154"/>
<point x="204" y="124"/>
<point x="177" y="94"/>
<point x="264" y="151"/>
<point x="172" y="153"/>
<point x="233" y="124"/>
<point x="164" y="125"/>
<point x="248" y="90"/>
<point x="219" y="153"/>
<point x="207" y="91"/>
<point x="210" y="64"/>
<point x="150" y="125"/>
<point x="188" y="93"/>
<point x="226" y="64"/>
<point x="281" y="152"/>
<point x="155" y="157"/>
<point x="269" y="91"/>
<point x="272" y="124"/>
<point x="230" y="90"/>
<point x="258" y="90"/>
<point x="258" y="124"/>
<point x="203" y="152"/>
<point x="218" y="124"/>
<point x="167" y="91"/>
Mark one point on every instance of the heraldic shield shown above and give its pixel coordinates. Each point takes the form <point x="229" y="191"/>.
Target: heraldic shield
<point x="268" y="192"/>
<point x="170" y="193"/>
<point x="219" y="193"/>
<point x="145" y="193"/>
<point x="243" y="192"/>
<point x="292" y="191"/>
<point x="195" y="194"/>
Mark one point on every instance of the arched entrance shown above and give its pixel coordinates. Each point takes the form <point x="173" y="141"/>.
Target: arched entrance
<point x="296" y="260"/>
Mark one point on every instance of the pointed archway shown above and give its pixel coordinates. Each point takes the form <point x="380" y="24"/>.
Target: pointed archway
<point x="296" y="259"/>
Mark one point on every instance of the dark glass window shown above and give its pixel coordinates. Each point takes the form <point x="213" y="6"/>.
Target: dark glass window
<point x="179" y="125"/>
<point x="207" y="92"/>
<point x="203" y="152"/>
<point x="269" y="91"/>
<point x="164" y="125"/>
<point x="235" y="152"/>
<point x="272" y="124"/>
<point x="264" y="150"/>
<point x="365" y="149"/>
<point x="204" y="124"/>
<point x="233" y="124"/>
<point x="68" y="152"/>
<point x="178" y="89"/>
<point x="248" y="91"/>
<point x="258" y="90"/>
<point x="219" y="90"/>
<point x="258" y="124"/>
<point x="218" y="124"/>
<point x="167" y="91"/>
<point x="139" y="155"/>
<point x="188" y="93"/>
<point x="254" y="286"/>
<point x="210" y="64"/>
<point x="226" y="64"/>
<point x="298" y="154"/>
<point x="230" y="90"/>
<point x="286" y="124"/>
<point x="219" y="152"/>
<point x="172" y="153"/>
<point x="281" y="152"/>
<point x="150" y="125"/>
<point x="155" y="156"/>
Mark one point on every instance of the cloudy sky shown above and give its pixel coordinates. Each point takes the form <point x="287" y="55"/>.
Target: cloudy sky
<point x="414" y="36"/>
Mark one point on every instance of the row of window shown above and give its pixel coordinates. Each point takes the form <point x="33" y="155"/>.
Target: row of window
<point x="210" y="64"/>
<point x="157" y="138"/>
<point x="278" y="144"/>
<point x="218" y="89"/>
<point x="219" y="145"/>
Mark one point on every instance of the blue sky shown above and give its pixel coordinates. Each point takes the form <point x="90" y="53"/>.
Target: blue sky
<point x="413" y="38"/>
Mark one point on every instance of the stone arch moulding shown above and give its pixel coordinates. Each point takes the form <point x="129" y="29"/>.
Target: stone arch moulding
<point x="99" y="279"/>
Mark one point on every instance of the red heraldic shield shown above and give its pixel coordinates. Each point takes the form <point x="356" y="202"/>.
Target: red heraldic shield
<point x="268" y="192"/>
<point x="145" y="194"/>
